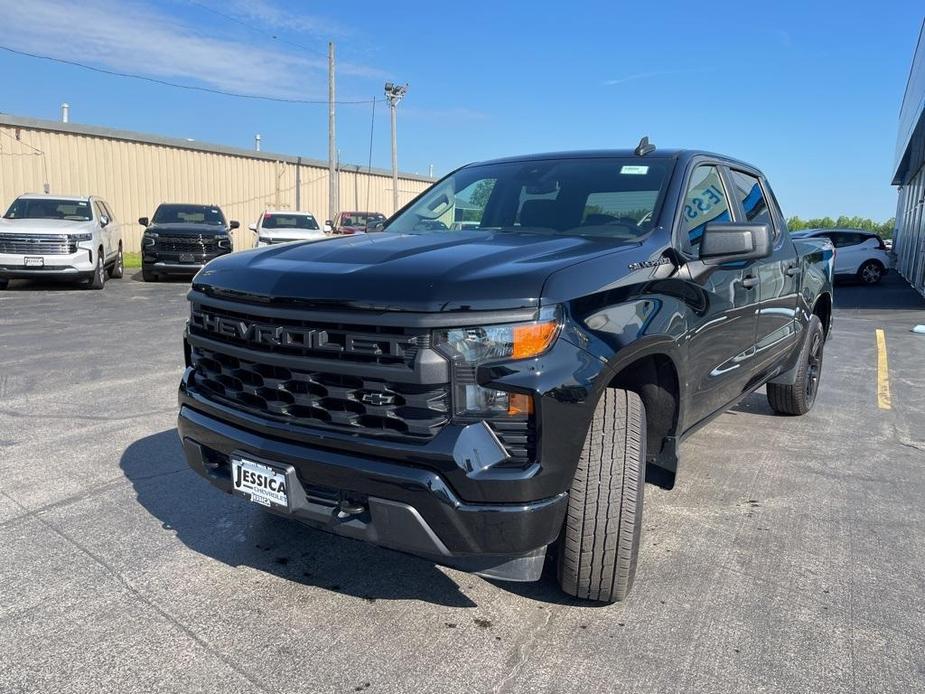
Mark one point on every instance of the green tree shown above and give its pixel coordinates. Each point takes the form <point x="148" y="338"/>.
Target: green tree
<point x="481" y="192"/>
<point x="885" y="228"/>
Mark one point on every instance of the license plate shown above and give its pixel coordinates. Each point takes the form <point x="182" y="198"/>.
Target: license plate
<point x="30" y="261"/>
<point x="186" y="258"/>
<point x="265" y="485"/>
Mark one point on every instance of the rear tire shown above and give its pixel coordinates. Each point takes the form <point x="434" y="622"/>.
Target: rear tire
<point x="599" y="544"/>
<point x="798" y="399"/>
<point x="4" y="283"/>
<point x="98" y="281"/>
<point x="118" y="268"/>
<point x="871" y="272"/>
<point x="148" y="275"/>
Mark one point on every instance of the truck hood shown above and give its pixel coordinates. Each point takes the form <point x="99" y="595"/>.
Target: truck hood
<point x="44" y="226"/>
<point x="188" y="229"/>
<point x="438" y="271"/>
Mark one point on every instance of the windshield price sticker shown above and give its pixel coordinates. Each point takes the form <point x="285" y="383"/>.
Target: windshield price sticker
<point x="634" y="170"/>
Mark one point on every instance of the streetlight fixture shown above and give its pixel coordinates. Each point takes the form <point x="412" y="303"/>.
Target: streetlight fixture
<point x="394" y="93"/>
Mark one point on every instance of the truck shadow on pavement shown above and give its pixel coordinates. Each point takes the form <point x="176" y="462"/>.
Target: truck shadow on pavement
<point x="237" y="533"/>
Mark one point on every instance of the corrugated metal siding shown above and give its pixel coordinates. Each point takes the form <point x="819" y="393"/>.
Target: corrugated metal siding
<point x="133" y="176"/>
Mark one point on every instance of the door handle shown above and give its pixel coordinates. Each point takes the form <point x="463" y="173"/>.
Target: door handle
<point x="749" y="281"/>
<point x="793" y="271"/>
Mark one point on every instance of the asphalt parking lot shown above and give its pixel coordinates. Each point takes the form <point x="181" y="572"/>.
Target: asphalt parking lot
<point x="790" y="556"/>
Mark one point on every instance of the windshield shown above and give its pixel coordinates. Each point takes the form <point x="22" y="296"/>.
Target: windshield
<point x="361" y="219"/>
<point x="44" y="208"/>
<point x="607" y="198"/>
<point x="289" y="221"/>
<point x="188" y="214"/>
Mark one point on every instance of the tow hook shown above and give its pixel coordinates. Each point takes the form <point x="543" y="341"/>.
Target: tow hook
<point x="350" y="508"/>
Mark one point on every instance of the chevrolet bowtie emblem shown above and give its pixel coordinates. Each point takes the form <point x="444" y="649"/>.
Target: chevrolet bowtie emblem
<point x="378" y="399"/>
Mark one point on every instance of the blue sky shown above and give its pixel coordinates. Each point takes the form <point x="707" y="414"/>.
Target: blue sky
<point x="810" y="92"/>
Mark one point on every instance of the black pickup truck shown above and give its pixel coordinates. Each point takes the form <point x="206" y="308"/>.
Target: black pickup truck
<point x="481" y="396"/>
<point x="181" y="238"/>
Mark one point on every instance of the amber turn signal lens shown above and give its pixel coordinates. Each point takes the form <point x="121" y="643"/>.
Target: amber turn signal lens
<point x="533" y="339"/>
<point x="519" y="404"/>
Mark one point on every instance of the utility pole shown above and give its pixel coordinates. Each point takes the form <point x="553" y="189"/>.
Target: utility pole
<point x="394" y="93"/>
<point x="332" y="147"/>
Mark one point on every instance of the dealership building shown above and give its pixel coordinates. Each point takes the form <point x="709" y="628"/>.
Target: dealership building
<point x="909" y="175"/>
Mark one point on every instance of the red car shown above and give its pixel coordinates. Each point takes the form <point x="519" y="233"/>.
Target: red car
<point x="355" y="222"/>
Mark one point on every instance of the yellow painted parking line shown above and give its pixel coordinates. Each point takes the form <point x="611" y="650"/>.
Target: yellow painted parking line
<point x="884" y="400"/>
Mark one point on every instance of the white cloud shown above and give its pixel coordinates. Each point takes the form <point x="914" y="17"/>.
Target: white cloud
<point x="647" y="75"/>
<point x="271" y="15"/>
<point x="132" y="37"/>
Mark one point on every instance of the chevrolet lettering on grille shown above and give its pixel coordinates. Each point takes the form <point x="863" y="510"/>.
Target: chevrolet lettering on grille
<point x="305" y="338"/>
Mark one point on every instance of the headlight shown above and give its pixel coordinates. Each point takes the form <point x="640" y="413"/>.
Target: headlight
<point x="493" y="342"/>
<point x="470" y="347"/>
<point x="149" y="239"/>
<point x="86" y="236"/>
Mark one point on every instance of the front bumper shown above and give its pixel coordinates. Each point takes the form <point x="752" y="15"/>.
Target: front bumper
<point x="72" y="265"/>
<point x="169" y="264"/>
<point x="407" y="508"/>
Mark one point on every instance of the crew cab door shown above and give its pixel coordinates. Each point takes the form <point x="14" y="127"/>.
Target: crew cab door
<point x="721" y="334"/>
<point x="778" y="275"/>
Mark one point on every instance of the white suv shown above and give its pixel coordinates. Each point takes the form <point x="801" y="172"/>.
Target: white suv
<point x="858" y="253"/>
<point x="58" y="236"/>
<point x="283" y="226"/>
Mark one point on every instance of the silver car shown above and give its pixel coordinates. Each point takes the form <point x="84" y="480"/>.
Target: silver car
<point x="62" y="237"/>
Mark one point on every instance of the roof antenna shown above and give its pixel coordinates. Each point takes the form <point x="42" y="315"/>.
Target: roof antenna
<point x="644" y="148"/>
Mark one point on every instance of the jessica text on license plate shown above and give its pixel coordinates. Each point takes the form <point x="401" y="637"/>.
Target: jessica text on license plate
<point x="265" y="485"/>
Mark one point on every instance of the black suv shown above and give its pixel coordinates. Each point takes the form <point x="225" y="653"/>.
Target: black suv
<point x="477" y="396"/>
<point x="181" y="238"/>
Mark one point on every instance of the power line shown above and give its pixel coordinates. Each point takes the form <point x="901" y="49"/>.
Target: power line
<point x="165" y="83"/>
<point x="369" y="166"/>
<point x="247" y="25"/>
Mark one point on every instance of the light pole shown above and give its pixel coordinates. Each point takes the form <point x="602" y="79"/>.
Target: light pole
<point x="394" y="93"/>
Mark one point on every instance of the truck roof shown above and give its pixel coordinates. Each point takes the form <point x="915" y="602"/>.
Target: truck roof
<point x="53" y="196"/>
<point x="679" y="154"/>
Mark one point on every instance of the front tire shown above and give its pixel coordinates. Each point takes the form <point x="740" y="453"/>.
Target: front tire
<point x="98" y="281"/>
<point x="148" y="275"/>
<point x="798" y="398"/>
<point x="4" y="283"/>
<point x="599" y="544"/>
<point x="118" y="268"/>
<point x="871" y="272"/>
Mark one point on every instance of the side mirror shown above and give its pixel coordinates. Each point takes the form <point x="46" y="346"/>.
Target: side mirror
<point x="233" y="224"/>
<point x="724" y="243"/>
<point x="252" y="227"/>
<point x="104" y="220"/>
<point x="143" y="221"/>
<point x="328" y="225"/>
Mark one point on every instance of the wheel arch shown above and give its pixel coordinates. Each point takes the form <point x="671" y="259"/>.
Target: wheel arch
<point x="654" y="376"/>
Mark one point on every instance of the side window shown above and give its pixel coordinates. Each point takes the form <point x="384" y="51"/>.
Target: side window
<point x="748" y="191"/>
<point x="841" y="239"/>
<point x="705" y="201"/>
<point x="98" y="210"/>
<point x="108" y="211"/>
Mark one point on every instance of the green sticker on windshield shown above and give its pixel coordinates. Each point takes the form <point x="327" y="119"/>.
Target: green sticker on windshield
<point x="635" y="170"/>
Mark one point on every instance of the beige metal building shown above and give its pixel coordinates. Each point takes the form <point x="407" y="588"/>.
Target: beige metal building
<point x="135" y="172"/>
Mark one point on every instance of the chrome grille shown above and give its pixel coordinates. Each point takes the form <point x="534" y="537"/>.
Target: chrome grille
<point x="357" y="404"/>
<point x="37" y="244"/>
